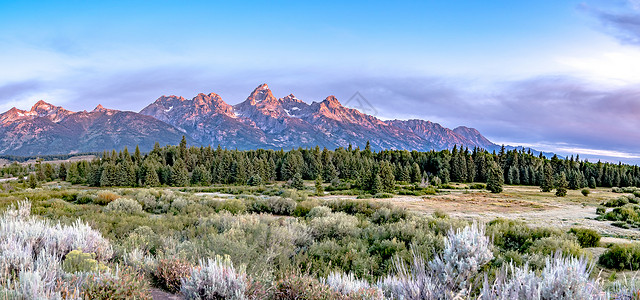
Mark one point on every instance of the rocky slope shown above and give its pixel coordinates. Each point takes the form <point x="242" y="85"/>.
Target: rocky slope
<point x="260" y="121"/>
<point x="49" y="129"/>
<point x="264" y="121"/>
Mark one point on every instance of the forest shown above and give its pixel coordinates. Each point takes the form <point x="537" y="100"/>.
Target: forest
<point x="359" y="168"/>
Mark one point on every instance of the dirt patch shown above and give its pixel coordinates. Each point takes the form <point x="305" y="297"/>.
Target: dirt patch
<point x="158" y="294"/>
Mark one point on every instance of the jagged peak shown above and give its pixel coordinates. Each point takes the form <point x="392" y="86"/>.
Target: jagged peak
<point x="261" y="93"/>
<point x="165" y="97"/>
<point x="332" y="101"/>
<point x="42" y="105"/>
<point x="292" y="98"/>
<point x="210" y="96"/>
<point x="100" y="108"/>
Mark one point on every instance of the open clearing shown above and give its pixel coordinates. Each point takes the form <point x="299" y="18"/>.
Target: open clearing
<point x="525" y="203"/>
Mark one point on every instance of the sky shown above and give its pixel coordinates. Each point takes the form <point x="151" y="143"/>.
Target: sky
<point x="558" y="76"/>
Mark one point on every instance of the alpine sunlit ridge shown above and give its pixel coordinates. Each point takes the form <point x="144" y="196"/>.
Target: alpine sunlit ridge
<point x="261" y="121"/>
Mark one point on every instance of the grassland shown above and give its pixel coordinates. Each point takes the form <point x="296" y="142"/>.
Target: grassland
<point x="287" y="239"/>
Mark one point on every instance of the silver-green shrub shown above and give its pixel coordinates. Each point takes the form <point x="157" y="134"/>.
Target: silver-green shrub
<point x="215" y="279"/>
<point x="124" y="206"/>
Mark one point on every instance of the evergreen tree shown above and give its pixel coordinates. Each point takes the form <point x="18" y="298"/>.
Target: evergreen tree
<point x="32" y="181"/>
<point x="546" y="185"/>
<point x="386" y="176"/>
<point x="297" y="182"/>
<point x="62" y="171"/>
<point x="254" y="180"/>
<point x="72" y="174"/>
<point x="319" y="187"/>
<point x="496" y="178"/>
<point x="291" y="165"/>
<point x="514" y="175"/>
<point x="376" y="186"/>
<point x="151" y="175"/>
<point x="415" y="173"/>
<point x="179" y="174"/>
<point x="561" y="185"/>
<point x="592" y="182"/>
<point x="109" y="175"/>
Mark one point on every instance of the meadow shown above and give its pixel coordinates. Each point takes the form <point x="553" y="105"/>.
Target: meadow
<point x="64" y="241"/>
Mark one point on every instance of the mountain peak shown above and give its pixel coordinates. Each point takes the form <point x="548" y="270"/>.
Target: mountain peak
<point x="332" y="102"/>
<point x="100" y="108"/>
<point x="42" y="106"/>
<point x="261" y="93"/>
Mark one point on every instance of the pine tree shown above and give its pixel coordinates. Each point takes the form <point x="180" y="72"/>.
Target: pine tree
<point x="592" y="182"/>
<point x="151" y="176"/>
<point x="386" y="176"/>
<point x="514" y="175"/>
<point x="72" y="174"/>
<point x="376" y="186"/>
<point x="179" y="174"/>
<point x="297" y="182"/>
<point x="415" y="173"/>
<point x="32" y="181"/>
<point x="561" y="185"/>
<point x="109" y="175"/>
<point x="547" y="179"/>
<point x="496" y="178"/>
<point x="62" y="171"/>
<point x="319" y="187"/>
<point x="254" y="180"/>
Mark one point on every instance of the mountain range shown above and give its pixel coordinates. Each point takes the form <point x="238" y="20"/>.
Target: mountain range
<point x="260" y="121"/>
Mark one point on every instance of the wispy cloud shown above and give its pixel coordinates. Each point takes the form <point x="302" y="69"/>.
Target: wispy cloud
<point x="622" y="22"/>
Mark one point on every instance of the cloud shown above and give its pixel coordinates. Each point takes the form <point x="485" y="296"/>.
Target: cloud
<point x="16" y="93"/>
<point x="623" y="22"/>
<point x="555" y="110"/>
<point x="565" y="113"/>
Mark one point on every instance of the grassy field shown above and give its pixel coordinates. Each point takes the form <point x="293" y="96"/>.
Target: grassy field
<point x="282" y="242"/>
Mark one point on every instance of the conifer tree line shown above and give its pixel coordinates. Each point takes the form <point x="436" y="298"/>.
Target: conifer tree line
<point x="363" y="168"/>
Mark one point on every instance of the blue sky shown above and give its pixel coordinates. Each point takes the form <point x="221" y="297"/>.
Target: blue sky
<point x="555" y="75"/>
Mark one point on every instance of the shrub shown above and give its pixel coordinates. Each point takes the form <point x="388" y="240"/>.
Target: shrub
<point x="273" y="205"/>
<point x="449" y="275"/>
<point x="383" y="196"/>
<point x="233" y="206"/>
<point x="170" y="272"/>
<point x="215" y="279"/>
<point x="628" y="212"/>
<point x="510" y="234"/>
<point x="620" y="201"/>
<point x="125" y="283"/>
<point x="346" y="284"/>
<point x="303" y="208"/>
<point x="586" y="237"/>
<point x="561" y="278"/>
<point x="124" y="206"/>
<point x="78" y="261"/>
<point x="105" y="198"/>
<point x="303" y="287"/>
<point x="143" y="238"/>
<point x="335" y="225"/>
<point x="84" y="198"/>
<point x="439" y="214"/>
<point x="319" y="212"/>
<point x="465" y="252"/>
<point x="551" y="245"/>
<point x="585" y="192"/>
<point x="621" y="257"/>
<point x="601" y="210"/>
<point x="477" y="186"/>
